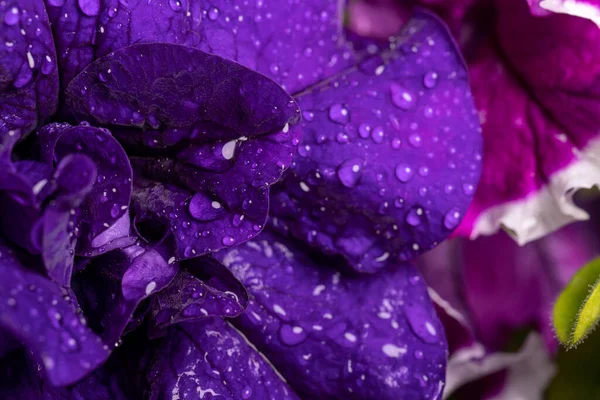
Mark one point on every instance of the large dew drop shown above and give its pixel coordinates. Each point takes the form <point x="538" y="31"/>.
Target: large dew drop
<point x="350" y="171"/>
<point x="421" y="324"/>
<point x="402" y="98"/>
<point x="452" y="218"/>
<point x="339" y="113"/>
<point x="202" y="208"/>
<point x="404" y="173"/>
<point x="292" y="335"/>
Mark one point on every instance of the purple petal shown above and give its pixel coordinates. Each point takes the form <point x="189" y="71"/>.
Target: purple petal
<point x="210" y="210"/>
<point x="29" y="84"/>
<point x="25" y="186"/>
<point x="111" y="194"/>
<point x="75" y="176"/>
<point x="210" y="358"/>
<point x="234" y="137"/>
<point x="20" y="379"/>
<point x="296" y="49"/>
<point x="113" y="238"/>
<point x="390" y="156"/>
<point x="339" y="336"/>
<point x="112" y="287"/>
<point x="41" y="209"/>
<point x="202" y="288"/>
<point x="215" y="98"/>
<point x="33" y="309"/>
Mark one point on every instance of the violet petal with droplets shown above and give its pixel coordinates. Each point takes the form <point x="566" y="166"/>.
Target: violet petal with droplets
<point x="339" y="336"/>
<point x="391" y="153"/>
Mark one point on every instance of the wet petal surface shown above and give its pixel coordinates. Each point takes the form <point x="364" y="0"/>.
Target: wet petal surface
<point x="202" y="288"/>
<point x="295" y="49"/>
<point x="29" y="76"/>
<point x="112" y="287"/>
<point x="39" y="313"/>
<point x="233" y="138"/>
<point x="339" y="336"/>
<point x="210" y="358"/>
<point x="109" y="199"/>
<point x="390" y="156"/>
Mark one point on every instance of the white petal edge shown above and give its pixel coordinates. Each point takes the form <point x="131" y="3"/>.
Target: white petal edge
<point x="577" y="8"/>
<point x="529" y="378"/>
<point x="529" y="371"/>
<point x="548" y="209"/>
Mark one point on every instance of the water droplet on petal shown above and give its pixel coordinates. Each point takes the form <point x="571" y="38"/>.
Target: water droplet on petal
<point x="228" y="241"/>
<point x="468" y="189"/>
<point x="292" y="335"/>
<point x="339" y="113"/>
<point x="55" y="318"/>
<point x="364" y="131"/>
<point x="12" y="16"/>
<point x="47" y="65"/>
<point x="175" y="5"/>
<point x="189" y="252"/>
<point x="430" y="79"/>
<point x="452" y="218"/>
<point x="414" y="216"/>
<point x="404" y="173"/>
<point x="203" y="208"/>
<point x="308" y="115"/>
<point x="350" y="171"/>
<point x="69" y="344"/>
<point x="415" y="140"/>
<point x="246" y="393"/>
<point x="213" y="14"/>
<point x="237" y="220"/>
<point x="420" y="323"/>
<point x="377" y="134"/>
<point x="402" y="98"/>
<point x="228" y="149"/>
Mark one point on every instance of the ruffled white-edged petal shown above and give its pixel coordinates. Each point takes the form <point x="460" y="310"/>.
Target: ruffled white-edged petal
<point x="529" y="370"/>
<point x="550" y="208"/>
<point x="579" y="8"/>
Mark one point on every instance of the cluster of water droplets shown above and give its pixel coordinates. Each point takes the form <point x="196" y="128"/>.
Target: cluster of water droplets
<point x="389" y="116"/>
<point x="329" y="329"/>
<point x="25" y="31"/>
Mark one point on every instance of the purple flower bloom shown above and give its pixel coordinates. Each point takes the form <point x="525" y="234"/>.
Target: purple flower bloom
<point x="132" y="217"/>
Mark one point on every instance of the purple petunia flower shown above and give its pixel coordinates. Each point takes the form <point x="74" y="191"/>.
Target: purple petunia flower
<point x="221" y="199"/>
